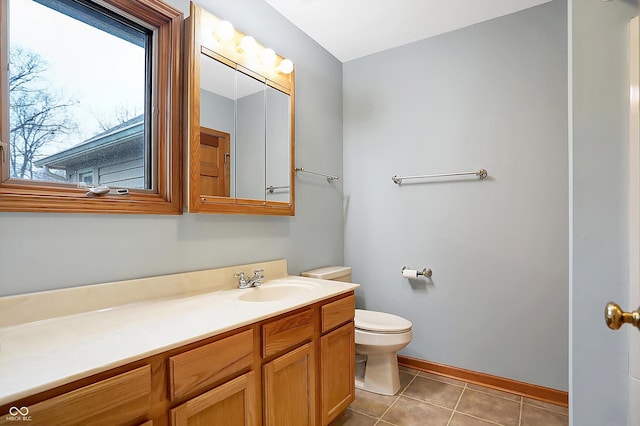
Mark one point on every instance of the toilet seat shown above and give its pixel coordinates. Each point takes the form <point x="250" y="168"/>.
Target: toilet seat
<point x="381" y="322"/>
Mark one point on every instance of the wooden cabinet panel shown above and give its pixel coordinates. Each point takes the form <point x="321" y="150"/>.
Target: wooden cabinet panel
<point x="337" y="375"/>
<point x="307" y="378"/>
<point x="196" y="369"/>
<point x="231" y="404"/>
<point x="286" y="332"/>
<point x="119" y="400"/>
<point x="289" y="388"/>
<point x="338" y="312"/>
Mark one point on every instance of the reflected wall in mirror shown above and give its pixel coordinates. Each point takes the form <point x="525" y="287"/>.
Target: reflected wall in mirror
<point x="240" y="125"/>
<point x="250" y="138"/>
<point x="277" y="147"/>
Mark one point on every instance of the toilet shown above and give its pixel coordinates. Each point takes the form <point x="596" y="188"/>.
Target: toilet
<point x="378" y="336"/>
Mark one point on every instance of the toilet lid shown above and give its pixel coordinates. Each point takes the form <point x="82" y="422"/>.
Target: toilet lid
<point x="381" y="321"/>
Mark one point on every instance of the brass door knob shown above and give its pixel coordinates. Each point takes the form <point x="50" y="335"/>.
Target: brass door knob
<point x="615" y="316"/>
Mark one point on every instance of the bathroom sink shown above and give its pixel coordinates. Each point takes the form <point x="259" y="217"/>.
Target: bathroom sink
<point x="273" y="292"/>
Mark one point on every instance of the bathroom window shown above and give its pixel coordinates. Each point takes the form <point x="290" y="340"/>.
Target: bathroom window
<point x="90" y="97"/>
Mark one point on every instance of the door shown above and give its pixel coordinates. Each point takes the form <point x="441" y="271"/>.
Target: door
<point x="614" y="315"/>
<point x="214" y="162"/>
<point x="634" y="218"/>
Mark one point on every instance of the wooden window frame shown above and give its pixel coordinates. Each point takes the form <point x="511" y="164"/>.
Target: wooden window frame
<point x="19" y="195"/>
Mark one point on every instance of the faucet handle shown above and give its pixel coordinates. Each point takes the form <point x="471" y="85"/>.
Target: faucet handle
<point x="257" y="271"/>
<point x="240" y="275"/>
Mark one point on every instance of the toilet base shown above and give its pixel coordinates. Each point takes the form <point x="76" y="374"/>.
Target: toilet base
<point x="381" y="374"/>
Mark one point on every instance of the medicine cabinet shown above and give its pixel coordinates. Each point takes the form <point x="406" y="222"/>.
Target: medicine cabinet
<point x="240" y="122"/>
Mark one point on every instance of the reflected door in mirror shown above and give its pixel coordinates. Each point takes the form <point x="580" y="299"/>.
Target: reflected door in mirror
<point x="214" y="162"/>
<point x="217" y="117"/>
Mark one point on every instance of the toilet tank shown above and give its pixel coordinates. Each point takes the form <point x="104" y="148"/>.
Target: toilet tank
<point x="334" y="273"/>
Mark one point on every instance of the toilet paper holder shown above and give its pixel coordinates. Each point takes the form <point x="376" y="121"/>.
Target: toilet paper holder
<point x="409" y="273"/>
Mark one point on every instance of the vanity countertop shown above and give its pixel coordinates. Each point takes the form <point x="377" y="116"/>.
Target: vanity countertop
<point x="40" y="355"/>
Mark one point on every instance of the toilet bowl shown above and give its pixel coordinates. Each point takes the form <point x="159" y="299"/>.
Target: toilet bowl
<point x="378" y="335"/>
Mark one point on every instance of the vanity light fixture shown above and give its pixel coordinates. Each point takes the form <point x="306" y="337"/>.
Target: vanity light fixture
<point x="267" y="57"/>
<point x="286" y="66"/>
<point x="248" y="45"/>
<point x="224" y="31"/>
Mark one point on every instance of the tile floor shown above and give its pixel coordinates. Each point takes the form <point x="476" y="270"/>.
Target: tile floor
<point x="430" y="400"/>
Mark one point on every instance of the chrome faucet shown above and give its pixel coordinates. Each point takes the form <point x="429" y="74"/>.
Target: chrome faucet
<point x="254" y="281"/>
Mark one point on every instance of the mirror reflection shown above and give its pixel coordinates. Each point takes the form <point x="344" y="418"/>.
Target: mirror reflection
<point x="240" y="127"/>
<point x="250" y="138"/>
<point x="278" y="155"/>
<point x="244" y="135"/>
<point x="217" y="124"/>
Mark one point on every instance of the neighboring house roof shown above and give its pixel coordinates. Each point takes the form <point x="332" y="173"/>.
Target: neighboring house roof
<point x="95" y="146"/>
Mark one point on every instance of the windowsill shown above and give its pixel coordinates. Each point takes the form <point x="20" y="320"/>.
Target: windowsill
<point x="25" y="196"/>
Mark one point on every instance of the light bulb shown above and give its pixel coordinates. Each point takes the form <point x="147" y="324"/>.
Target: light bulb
<point x="224" y="31"/>
<point x="248" y="45"/>
<point x="286" y="66"/>
<point x="268" y="57"/>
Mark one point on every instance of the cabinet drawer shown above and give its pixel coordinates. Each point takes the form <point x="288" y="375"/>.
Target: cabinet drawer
<point x="196" y="369"/>
<point x="118" y="400"/>
<point x="338" y="312"/>
<point x="281" y="334"/>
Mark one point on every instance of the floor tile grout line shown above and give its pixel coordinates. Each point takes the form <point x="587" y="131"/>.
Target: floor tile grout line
<point x="480" y="418"/>
<point x="427" y="402"/>
<point x="521" y="397"/>
<point x="379" y="421"/>
<point x="389" y="407"/>
<point x="364" y="414"/>
<point x="397" y="398"/>
<point x="545" y="408"/>
<point x="520" y="415"/>
<point x="498" y="396"/>
<point x="435" y="379"/>
<point x="453" y="412"/>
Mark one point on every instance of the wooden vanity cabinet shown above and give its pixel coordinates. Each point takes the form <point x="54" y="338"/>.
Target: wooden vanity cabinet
<point x="337" y="358"/>
<point x="293" y="369"/>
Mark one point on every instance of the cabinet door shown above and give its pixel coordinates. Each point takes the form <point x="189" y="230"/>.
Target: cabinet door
<point x="230" y="404"/>
<point x="289" y="389"/>
<point x="337" y="375"/>
<point x="119" y="400"/>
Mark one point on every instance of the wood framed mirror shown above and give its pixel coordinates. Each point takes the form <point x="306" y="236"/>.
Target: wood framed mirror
<point x="240" y="123"/>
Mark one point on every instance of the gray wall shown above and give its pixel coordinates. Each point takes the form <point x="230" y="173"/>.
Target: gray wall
<point x="493" y="95"/>
<point x="48" y="251"/>
<point x="599" y="357"/>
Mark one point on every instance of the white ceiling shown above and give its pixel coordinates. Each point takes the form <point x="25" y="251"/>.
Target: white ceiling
<point x="350" y="29"/>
